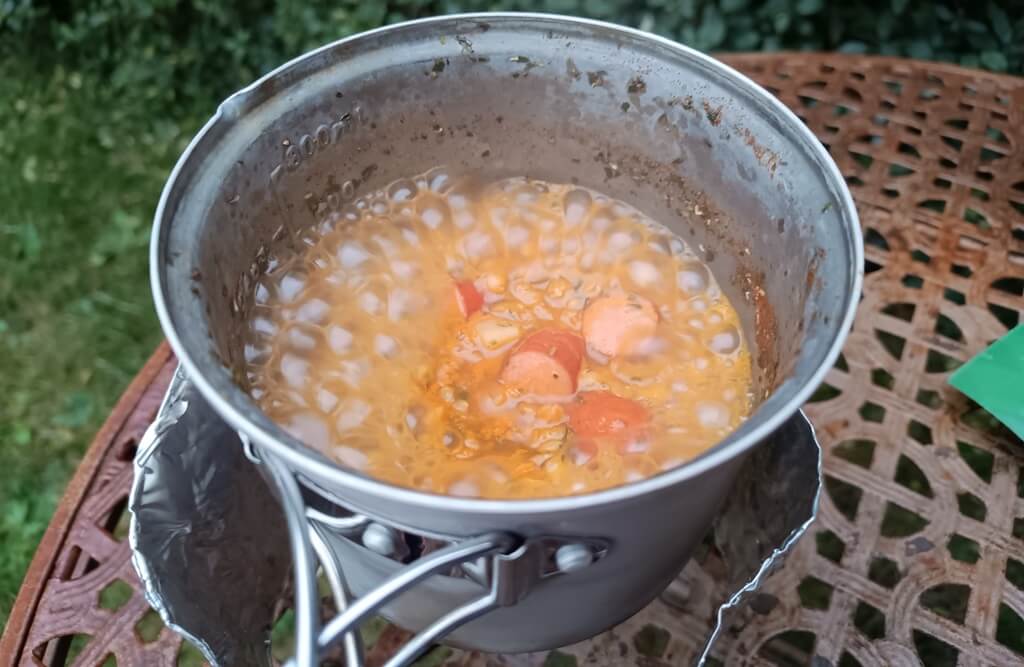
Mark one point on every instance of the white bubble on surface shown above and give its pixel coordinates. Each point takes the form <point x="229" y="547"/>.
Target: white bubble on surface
<point x="464" y="219"/>
<point x="478" y="245"/>
<point x="464" y="488"/>
<point x="412" y="418"/>
<point x="403" y="303"/>
<point x="313" y="311"/>
<point x="517" y="236"/>
<point x="325" y="400"/>
<point x="387" y="247"/>
<point x="410" y="236"/>
<point x="402" y="190"/>
<point x="353" y="371"/>
<point x="549" y="245"/>
<point x="404" y="270"/>
<point x="385" y="346"/>
<point x="340" y="339"/>
<point x="370" y="302"/>
<point x="300" y="339"/>
<point x="439" y="181"/>
<point x="638" y="446"/>
<point x="693" y="279"/>
<point x="352" y="414"/>
<point x="351" y="457"/>
<point x="725" y="342"/>
<point x="432" y="217"/>
<point x="577" y="205"/>
<point x="290" y="286"/>
<point x="650" y="346"/>
<point x="352" y="255"/>
<point x="255" y="354"/>
<point x="579" y="456"/>
<point x="295" y="370"/>
<point x="309" y="429"/>
<point x="262" y="295"/>
<point x="712" y="415"/>
<point x="619" y="241"/>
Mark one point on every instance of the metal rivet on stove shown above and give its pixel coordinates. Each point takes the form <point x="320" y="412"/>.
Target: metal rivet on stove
<point x="573" y="557"/>
<point x="381" y="539"/>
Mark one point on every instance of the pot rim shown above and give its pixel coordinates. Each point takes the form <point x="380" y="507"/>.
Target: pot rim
<point x="300" y="457"/>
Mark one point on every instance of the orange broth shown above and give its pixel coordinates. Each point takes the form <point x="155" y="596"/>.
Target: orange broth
<point x="360" y="346"/>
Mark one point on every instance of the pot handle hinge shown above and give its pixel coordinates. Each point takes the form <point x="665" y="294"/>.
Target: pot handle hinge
<point x="503" y="565"/>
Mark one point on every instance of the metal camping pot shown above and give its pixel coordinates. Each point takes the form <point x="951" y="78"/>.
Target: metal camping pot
<point x="682" y="137"/>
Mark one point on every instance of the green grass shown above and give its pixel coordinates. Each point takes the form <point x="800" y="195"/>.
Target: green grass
<point x="80" y="173"/>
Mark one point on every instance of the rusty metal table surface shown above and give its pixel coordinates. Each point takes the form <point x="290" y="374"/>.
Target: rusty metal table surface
<point x="918" y="554"/>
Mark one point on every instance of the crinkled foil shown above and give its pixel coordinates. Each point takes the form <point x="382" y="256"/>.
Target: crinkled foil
<point x="774" y="501"/>
<point x="208" y="537"/>
<point x="210" y="543"/>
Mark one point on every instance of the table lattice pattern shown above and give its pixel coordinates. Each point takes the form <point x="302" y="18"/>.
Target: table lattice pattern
<point x="918" y="554"/>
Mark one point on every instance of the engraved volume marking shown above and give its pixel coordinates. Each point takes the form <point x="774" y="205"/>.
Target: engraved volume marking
<point x="305" y="148"/>
<point x="332" y="198"/>
<point x="309" y="145"/>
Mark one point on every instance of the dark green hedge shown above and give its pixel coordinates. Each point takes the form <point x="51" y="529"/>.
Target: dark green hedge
<point x="188" y="50"/>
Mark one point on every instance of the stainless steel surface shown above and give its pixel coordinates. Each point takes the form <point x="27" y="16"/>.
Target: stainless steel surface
<point x="353" y="643"/>
<point x="306" y="599"/>
<point x="188" y="553"/>
<point x="346" y="525"/>
<point x="544" y="95"/>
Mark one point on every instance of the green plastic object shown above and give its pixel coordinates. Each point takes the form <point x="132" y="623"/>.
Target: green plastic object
<point x="994" y="379"/>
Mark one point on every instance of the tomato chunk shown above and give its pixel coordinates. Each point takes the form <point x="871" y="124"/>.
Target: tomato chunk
<point x="468" y="297"/>
<point x="601" y="414"/>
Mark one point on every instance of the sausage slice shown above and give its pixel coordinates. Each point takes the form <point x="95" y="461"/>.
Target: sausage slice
<point x="545" y="363"/>
<point x="616" y="325"/>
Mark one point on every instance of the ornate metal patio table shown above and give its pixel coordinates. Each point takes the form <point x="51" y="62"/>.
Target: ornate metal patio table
<point x="917" y="556"/>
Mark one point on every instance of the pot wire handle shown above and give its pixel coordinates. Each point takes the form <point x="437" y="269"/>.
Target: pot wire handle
<point x="500" y="592"/>
<point x="307" y="608"/>
<point x="310" y="542"/>
<point x="353" y="643"/>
